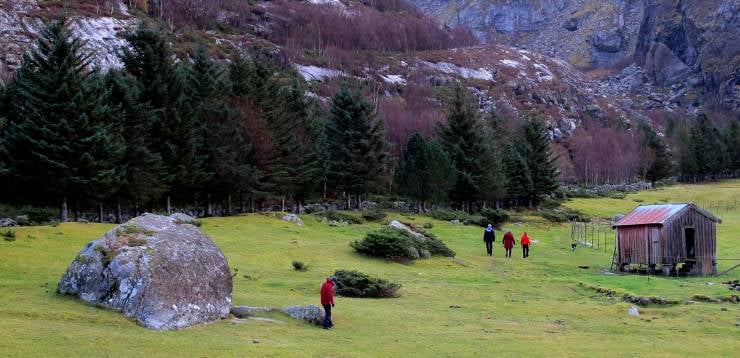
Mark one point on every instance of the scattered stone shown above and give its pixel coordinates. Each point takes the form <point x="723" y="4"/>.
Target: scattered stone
<point x="583" y="267"/>
<point x="8" y="222"/>
<point x="723" y="309"/>
<point x="158" y="271"/>
<point x="22" y="220"/>
<point x="255" y="341"/>
<point x="455" y="306"/>
<point x="246" y="311"/>
<point x="633" y="311"/>
<point x="403" y="227"/>
<point x="310" y="314"/>
<point x="455" y="222"/>
<point x="293" y="218"/>
<point x="181" y="218"/>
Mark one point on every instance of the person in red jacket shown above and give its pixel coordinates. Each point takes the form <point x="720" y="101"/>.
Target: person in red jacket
<point x="327" y="300"/>
<point x="525" y="245"/>
<point x="509" y="242"/>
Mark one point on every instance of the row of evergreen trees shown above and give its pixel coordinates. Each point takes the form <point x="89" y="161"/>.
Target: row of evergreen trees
<point x="159" y="132"/>
<point x="705" y="151"/>
<point x="475" y="164"/>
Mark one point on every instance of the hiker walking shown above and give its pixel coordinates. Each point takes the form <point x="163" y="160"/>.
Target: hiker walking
<point x="509" y="242"/>
<point x="327" y="300"/>
<point x="489" y="236"/>
<point x="525" y="245"/>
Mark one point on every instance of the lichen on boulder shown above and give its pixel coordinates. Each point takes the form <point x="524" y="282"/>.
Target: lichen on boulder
<point x="158" y="270"/>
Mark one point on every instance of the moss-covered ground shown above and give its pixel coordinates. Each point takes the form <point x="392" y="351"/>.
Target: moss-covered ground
<point x="540" y="306"/>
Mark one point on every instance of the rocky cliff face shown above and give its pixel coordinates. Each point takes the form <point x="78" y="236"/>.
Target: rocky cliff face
<point x="691" y="47"/>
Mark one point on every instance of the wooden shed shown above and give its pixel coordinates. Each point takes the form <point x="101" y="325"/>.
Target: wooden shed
<point x="662" y="237"/>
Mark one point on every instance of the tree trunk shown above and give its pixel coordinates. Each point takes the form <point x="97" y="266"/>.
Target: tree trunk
<point x="100" y="211"/>
<point x="349" y="202"/>
<point x="63" y="212"/>
<point x="242" y="205"/>
<point x="282" y="204"/>
<point x="77" y="210"/>
<point x="119" y="215"/>
<point x="168" y="207"/>
<point x="228" y="204"/>
<point x="498" y="204"/>
<point x="209" y="206"/>
<point x="251" y="204"/>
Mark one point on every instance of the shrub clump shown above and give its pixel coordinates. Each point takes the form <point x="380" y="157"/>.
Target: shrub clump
<point x="562" y="214"/>
<point x="373" y="215"/>
<point x="8" y="235"/>
<point x="447" y="215"/>
<point x="401" y="246"/>
<point x="339" y="216"/>
<point x="495" y="216"/>
<point x="358" y="284"/>
<point x="299" y="266"/>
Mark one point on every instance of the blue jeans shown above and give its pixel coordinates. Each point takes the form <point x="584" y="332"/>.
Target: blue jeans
<point x="327" y="317"/>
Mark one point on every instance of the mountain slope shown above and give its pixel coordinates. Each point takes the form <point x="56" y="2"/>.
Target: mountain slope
<point x="689" y="47"/>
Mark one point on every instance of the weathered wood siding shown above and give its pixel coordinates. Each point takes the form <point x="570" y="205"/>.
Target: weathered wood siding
<point x="636" y="245"/>
<point x="705" y="240"/>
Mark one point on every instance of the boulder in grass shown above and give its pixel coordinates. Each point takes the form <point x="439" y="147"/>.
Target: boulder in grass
<point x="309" y="314"/>
<point x="158" y="270"/>
<point x="293" y="218"/>
<point x="7" y="222"/>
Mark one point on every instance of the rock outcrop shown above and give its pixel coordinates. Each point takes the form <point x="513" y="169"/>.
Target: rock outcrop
<point x="689" y="47"/>
<point x="158" y="270"/>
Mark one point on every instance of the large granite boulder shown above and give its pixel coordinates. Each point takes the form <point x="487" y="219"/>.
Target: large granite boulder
<point x="158" y="270"/>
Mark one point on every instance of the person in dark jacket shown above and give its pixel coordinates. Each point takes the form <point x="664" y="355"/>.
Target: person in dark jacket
<point x="327" y="300"/>
<point x="509" y="243"/>
<point x="489" y="236"/>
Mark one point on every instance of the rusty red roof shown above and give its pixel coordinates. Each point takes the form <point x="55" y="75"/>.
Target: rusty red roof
<point x="650" y="214"/>
<point x="658" y="214"/>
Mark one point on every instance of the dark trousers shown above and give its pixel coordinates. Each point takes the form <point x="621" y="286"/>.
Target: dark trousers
<point x="489" y="248"/>
<point x="327" y="317"/>
<point x="525" y="251"/>
<point x="508" y="252"/>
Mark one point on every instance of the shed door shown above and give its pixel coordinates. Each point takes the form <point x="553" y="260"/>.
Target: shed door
<point x="655" y="246"/>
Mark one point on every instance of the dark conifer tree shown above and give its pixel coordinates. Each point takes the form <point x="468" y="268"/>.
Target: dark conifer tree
<point x="464" y="139"/>
<point x="357" y="151"/>
<point x="144" y="172"/>
<point x="425" y="171"/>
<point x="60" y="140"/>
<point x="540" y="160"/>
<point x="732" y="143"/>
<point x="149" y="59"/>
<point x="660" y="162"/>
<point x="519" y="181"/>
<point x="706" y="148"/>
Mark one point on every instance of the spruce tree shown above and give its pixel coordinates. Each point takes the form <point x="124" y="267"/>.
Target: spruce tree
<point x="660" y="161"/>
<point x="60" y="143"/>
<point x="732" y="143"/>
<point x="425" y="171"/>
<point x="706" y="148"/>
<point x="519" y="181"/>
<point x="356" y="146"/>
<point x="463" y="138"/>
<point x="143" y="169"/>
<point x="148" y="57"/>
<point x="540" y="160"/>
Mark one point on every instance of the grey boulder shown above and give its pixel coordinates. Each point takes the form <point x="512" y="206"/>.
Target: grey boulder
<point x="7" y="222"/>
<point x="158" y="270"/>
<point x="309" y="314"/>
<point x="293" y="218"/>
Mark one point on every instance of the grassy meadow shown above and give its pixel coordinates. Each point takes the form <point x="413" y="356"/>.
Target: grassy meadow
<point x="472" y="305"/>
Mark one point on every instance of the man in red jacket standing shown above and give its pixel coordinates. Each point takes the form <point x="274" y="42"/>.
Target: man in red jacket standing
<point x="327" y="300"/>
<point x="509" y="242"/>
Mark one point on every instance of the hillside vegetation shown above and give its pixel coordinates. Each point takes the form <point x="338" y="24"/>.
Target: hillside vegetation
<point x="471" y="305"/>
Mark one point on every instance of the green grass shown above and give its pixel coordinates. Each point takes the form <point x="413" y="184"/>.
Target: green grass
<point x="513" y="307"/>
